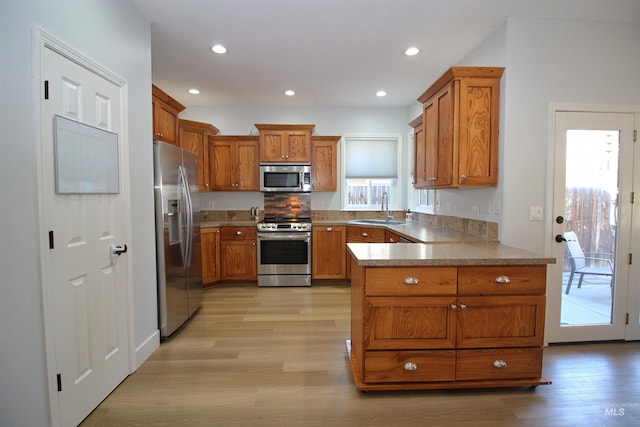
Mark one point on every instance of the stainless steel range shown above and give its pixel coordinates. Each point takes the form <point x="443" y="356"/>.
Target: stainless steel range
<point x="284" y="252"/>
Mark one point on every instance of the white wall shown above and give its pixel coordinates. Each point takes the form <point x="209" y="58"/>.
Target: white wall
<point x="115" y="35"/>
<point x="328" y="121"/>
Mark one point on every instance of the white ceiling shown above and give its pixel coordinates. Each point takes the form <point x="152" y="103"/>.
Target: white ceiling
<point x="331" y="52"/>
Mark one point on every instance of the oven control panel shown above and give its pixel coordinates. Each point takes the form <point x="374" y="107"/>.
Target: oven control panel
<point x="284" y="226"/>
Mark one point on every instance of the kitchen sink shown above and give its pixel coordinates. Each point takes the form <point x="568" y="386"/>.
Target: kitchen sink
<point x="379" y="221"/>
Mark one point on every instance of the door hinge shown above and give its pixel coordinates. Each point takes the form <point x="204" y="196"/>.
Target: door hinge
<point x="630" y="259"/>
<point x="635" y="135"/>
<point x="59" y="380"/>
<point x="633" y="197"/>
<point x="51" y="239"/>
<point x="46" y="89"/>
<point x="626" y="319"/>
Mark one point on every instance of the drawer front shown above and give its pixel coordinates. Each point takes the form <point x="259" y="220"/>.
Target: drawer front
<point x="499" y="364"/>
<point x="365" y="235"/>
<point x="409" y="366"/>
<point x="238" y="233"/>
<point x="410" y="281"/>
<point x="502" y="280"/>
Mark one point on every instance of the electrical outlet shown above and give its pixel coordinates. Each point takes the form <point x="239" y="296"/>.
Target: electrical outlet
<point x="535" y="213"/>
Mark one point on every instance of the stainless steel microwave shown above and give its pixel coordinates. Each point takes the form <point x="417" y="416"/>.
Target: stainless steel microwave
<point x="285" y="177"/>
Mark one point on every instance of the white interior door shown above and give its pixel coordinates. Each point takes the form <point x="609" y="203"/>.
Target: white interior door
<point x="592" y="209"/>
<point x="88" y="291"/>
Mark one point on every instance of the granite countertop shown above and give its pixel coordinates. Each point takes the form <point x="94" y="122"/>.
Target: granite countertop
<point x="443" y="254"/>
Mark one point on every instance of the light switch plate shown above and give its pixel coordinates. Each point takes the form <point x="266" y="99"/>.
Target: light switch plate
<point x="535" y="213"/>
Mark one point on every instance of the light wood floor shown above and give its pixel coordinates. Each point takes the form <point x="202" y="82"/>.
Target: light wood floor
<point x="276" y="357"/>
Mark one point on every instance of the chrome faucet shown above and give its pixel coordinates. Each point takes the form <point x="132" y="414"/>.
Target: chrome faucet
<point x="385" y="206"/>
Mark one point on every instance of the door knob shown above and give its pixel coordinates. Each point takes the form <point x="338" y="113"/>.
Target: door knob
<point x="116" y="251"/>
<point x="560" y="238"/>
<point x="559" y="219"/>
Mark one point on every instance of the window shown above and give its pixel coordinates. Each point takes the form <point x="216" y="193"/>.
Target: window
<point x="370" y="170"/>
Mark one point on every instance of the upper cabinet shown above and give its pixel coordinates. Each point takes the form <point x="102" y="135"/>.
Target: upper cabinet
<point x="456" y="145"/>
<point x="234" y="163"/>
<point x="194" y="137"/>
<point x="324" y="163"/>
<point x="282" y="143"/>
<point x="165" y="116"/>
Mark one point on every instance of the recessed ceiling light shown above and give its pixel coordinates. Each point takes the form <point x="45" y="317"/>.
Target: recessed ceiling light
<point x="381" y="93"/>
<point x="289" y="93"/>
<point x="194" y="91"/>
<point x="218" y="48"/>
<point x="412" y="51"/>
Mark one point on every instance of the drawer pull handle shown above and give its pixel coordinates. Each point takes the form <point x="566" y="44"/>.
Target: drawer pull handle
<point x="410" y="366"/>
<point x="500" y="364"/>
<point x="503" y="279"/>
<point x="454" y="307"/>
<point x="238" y="233"/>
<point x="411" y="280"/>
<point x="365" y="235"/>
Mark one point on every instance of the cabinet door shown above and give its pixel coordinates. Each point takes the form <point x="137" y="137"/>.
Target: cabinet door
<point x="420" y="179"/>
<point x="479" y="111"/>
<point x="324" y="165"/>
<point x="500" y="321"/>
<point x="328" y="252"/>
<point x="247" y="166"/>
<point x="195" y="139"/>
<point x="165" y="122"/>
<point x="239" y="260"/>
<point x="222" y="170"/>
<point x="272" y="146"/>
<point x="298" y="146"/>
<point x="396" y="323"/>
<point x="438" y="123"/>
<point x="210" y="255"/>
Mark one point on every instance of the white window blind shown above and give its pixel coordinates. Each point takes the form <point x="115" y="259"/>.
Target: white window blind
<point x="371" y="158"/>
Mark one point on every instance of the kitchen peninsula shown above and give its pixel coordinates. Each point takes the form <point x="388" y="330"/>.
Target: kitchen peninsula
<point x="446" y="315"/>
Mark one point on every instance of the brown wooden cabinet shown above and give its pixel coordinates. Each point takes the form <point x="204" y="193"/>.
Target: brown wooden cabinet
<point x="233" y="164"/>
<point x="165" y="116"/>
<point x="391" y="237"/>
<point x="447" y="327"/>
<point x="328" y="252"/>
<point x="210" y="255"/>
<point x="238" y="256"/>
<point x="285" y="143"/>
<point x="194" y="137"/>
<point x="324" y="163"/>
<point x="419" y="159"/>
<point x="460" y="126"/>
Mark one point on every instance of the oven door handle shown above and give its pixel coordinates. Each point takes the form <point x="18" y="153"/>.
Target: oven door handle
<point x="285" y="236"/>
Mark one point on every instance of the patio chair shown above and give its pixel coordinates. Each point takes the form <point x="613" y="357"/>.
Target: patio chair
<point x="586" y="263"/>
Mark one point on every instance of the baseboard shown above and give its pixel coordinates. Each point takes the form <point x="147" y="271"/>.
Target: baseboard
<point x="146" y="349"/>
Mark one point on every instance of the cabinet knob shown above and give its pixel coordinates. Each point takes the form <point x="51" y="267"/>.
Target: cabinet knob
<point x="238" y="233"/>
<point x="365" y="235"/>
<point x="329" y="229"/>
<point x="411" y="281"/>
<point x="433" y="178"/>
<point x="391" y="240"/>
<point x="453" y="307"/>
<point x="500" y="364"/>
<point x="463" y="176"/>
<point x="503" y="279"/>
<point x="463" y="307"/>
<point x="410" y="366"/>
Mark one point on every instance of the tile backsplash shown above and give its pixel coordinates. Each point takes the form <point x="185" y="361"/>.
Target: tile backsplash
<point x="287" y="205"/>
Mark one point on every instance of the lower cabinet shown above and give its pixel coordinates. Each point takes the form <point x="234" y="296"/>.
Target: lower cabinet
<point x="238" y="256"/>
<point x="447" y="327"/>
<point x="328" y="252"/>
<point x="210" y="255"/>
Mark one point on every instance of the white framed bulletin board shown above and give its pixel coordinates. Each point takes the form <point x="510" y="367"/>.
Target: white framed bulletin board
<point x="86" y="158"/>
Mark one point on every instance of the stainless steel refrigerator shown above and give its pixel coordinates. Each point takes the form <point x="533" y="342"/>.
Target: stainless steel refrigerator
<point x="178" y="256"/>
